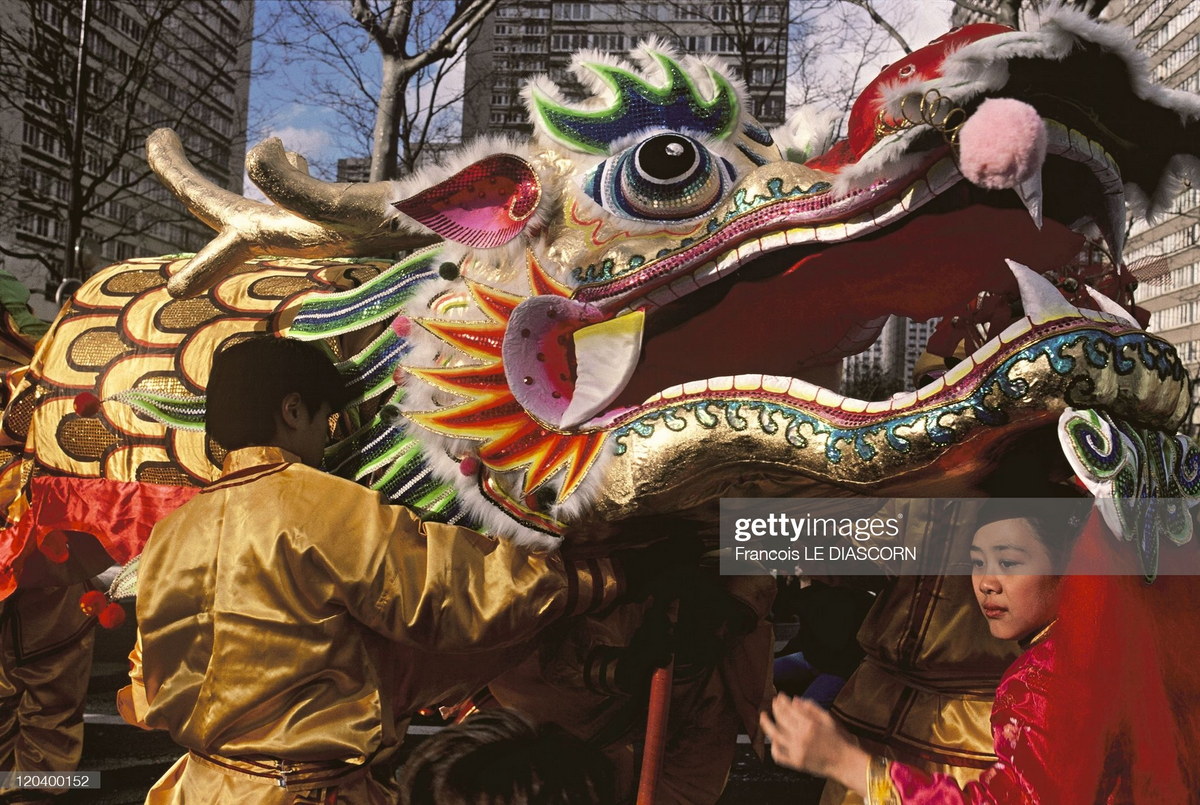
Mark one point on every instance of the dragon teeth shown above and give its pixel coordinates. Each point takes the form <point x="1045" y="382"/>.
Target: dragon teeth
<point x="1109" y="306"/>
<point x="1030" y="192"/>
<point x="1039" y="297"/>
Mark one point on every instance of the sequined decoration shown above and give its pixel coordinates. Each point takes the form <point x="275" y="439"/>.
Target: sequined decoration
<point x="484" y="205"/>
<point x="1143" y="479"/>
<point x="325" y="315"/>
<point x="638" y="105"/>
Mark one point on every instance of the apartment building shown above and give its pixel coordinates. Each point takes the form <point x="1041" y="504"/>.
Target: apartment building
<point x="178" y="63"/>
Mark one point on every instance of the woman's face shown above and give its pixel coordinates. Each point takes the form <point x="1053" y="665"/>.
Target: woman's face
<point x="1011" y="572"/>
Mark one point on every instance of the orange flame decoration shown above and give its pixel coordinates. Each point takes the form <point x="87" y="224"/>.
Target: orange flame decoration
<point x="511" y="438"/>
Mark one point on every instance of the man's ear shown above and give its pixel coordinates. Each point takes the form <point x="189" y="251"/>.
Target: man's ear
<point x="293" y="411"/>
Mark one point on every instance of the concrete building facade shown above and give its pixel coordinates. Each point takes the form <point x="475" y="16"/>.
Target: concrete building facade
<point x="191" y="59"/>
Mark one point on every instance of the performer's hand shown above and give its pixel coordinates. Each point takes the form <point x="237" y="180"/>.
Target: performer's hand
<point x="806" y="738"/>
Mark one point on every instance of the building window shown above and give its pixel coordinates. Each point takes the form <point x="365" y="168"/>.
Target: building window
<point x="724" y="43"/>
<point x="572" y="11"/>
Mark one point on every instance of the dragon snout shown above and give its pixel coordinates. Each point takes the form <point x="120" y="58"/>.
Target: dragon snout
<point x="566" y="360"/>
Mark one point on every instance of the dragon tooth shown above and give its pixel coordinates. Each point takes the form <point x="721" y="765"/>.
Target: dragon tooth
<point x="1110" y="306"/>
<point x="829" y="399"/>
<point x="720" y="383"/>
<point x="1015" y="330"/>
<point x="903" y="399"/>
<point x="695" y="387"/>
<point x="958" y="371"/>
<point x="878" y="406"/>
<point x="802" y="390"/>
<point x="1039" y="297"/>
<point x="683" y="286"/>
<point x="985" y="351"/>
<point x="1113" y="226"/>
<point x="860" y="224"/>
<point x="773" y="241"/>
<point x="853" y="406"/>
<point x="943" y="175"/>
<point x="931" y="388"/>
<point x="605" y="356"/>
<point x="776" y="384"/>
<point x="747" y="382"/>
<point x="796" y="237"/>
<point x="672" y="392"/>
<point x="831" y="233"/>
<point x="1030" y="193"/>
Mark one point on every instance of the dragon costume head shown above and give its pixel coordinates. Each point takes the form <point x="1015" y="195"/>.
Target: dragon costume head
<point x="644" y="307"/>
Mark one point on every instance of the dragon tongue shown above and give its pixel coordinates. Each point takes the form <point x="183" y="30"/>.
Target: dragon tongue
<point x="605" y="356"/>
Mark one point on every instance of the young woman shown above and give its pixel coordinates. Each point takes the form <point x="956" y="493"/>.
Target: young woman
<point x="1018" y="555"/>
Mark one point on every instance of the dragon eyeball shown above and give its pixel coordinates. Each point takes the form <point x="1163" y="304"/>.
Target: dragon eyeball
<point x="667" y="177"/>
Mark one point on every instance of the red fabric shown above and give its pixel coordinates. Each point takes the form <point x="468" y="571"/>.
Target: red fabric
<point x="1108" y="708"/>
<point x="1019" y="731"/>
<point x="120" y="514"/>
<point x="1125" y="698"/>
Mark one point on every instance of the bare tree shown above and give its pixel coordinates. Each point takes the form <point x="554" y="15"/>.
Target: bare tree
<point x="405" y="97"/>
<point x="1009" y="12"/>
<point x="111" y="195"/>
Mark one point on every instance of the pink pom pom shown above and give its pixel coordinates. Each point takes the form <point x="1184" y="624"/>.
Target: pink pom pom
<point x="402" y="326"/>
<point x="398" y="376"/>
<point x="469" y="465"/>
<point x="1002" y="144"/>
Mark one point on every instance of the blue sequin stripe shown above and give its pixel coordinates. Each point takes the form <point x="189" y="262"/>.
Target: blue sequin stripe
<point x="325" y="315"/>
<point x="369" y="373"/>
<point x="181" y="413"/>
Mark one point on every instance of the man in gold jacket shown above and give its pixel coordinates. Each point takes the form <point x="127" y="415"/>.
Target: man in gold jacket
<point x="290" y="620"/>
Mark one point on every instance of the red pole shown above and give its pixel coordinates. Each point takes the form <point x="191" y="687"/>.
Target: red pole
<point x="656" y="733"/>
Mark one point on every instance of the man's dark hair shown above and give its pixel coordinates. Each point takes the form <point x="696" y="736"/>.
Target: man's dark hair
<point x="250" y="379"/>
<point x="497" y="757"/>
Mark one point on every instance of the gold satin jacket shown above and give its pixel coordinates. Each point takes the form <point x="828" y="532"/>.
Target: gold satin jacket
<point x="287" y="613"/>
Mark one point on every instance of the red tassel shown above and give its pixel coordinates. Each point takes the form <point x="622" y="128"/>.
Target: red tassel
<point x="92" y="602"/>
<point x="54" y="547"/>
<point x="112" y="616"/>
<point x="87" y="404"/>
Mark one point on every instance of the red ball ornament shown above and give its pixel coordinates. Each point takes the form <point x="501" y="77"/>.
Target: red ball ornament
<point x="87" y="404"/>
<point x="54" y="547"/>
<point x="469" y="465"/>
<point x="92" y="602"/>
<point x="112" y="616"/>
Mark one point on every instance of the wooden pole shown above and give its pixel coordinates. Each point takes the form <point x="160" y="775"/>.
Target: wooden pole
<point x="656" y="733"/>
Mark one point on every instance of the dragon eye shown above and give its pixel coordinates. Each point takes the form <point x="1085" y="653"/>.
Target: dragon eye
<point x="666" y="177"/>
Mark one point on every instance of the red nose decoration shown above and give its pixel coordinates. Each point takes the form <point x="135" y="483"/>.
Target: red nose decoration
<point x="485" y="204"/>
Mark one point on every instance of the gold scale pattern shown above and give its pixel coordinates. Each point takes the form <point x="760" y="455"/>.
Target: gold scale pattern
<point x="123" y="332"/>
